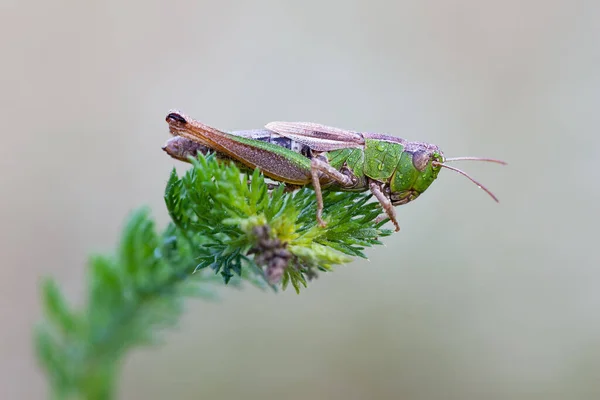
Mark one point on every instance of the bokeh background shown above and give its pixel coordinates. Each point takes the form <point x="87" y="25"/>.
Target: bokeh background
<point x="471" y="300"/>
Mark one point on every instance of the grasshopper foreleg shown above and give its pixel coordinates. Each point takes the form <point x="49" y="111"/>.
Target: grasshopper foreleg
<point x="385" y="202"/>
<point x="319" y="168"/>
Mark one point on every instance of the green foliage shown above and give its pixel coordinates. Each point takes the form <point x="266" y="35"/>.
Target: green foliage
<point x="220" y="213"/>
<point x="224" y="229"/>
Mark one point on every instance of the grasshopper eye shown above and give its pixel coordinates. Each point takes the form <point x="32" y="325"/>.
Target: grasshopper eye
<point x="420" y="160"/>
<point x="175" y="117"/>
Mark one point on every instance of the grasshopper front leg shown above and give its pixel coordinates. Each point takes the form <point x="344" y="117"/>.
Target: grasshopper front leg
<point x="385" y="202"/>
<point x="319" y="168"/>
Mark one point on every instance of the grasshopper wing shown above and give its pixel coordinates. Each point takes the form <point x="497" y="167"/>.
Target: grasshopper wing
<point x="316" y="136"/>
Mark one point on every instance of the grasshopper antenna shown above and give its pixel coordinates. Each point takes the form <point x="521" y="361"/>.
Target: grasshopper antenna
<point x="475" y="159"/>
<point x="479" y="185"/>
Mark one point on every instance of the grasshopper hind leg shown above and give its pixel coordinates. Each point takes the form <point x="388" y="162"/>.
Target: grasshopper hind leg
<point x="385" y="202"/>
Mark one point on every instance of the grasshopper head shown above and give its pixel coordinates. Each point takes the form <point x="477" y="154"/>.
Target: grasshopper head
<point x="418" y="167"/>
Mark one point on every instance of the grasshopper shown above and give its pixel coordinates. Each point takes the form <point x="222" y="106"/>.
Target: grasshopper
<point x="395" y="170"/>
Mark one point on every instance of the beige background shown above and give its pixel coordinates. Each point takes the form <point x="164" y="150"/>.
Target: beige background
<point x="472" y="300"/>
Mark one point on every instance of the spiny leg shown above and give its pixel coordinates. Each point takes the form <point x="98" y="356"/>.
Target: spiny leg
<point x="319" y="168"/>
<point x="385" y="202"/>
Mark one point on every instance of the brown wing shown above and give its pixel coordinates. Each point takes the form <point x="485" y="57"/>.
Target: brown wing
<point x="316" y="136"/>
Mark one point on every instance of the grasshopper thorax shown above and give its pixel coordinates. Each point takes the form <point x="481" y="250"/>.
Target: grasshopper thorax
<point x="418" y="167"/>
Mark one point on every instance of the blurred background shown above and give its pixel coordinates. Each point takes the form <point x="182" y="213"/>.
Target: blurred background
<point x="471" y="300"/>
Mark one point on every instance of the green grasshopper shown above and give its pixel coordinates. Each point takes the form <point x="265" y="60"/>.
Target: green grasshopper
<point x="395" y="170"/>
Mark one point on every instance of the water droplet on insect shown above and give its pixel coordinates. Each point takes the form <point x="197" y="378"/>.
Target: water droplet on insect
<point x="381" y="147"/>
